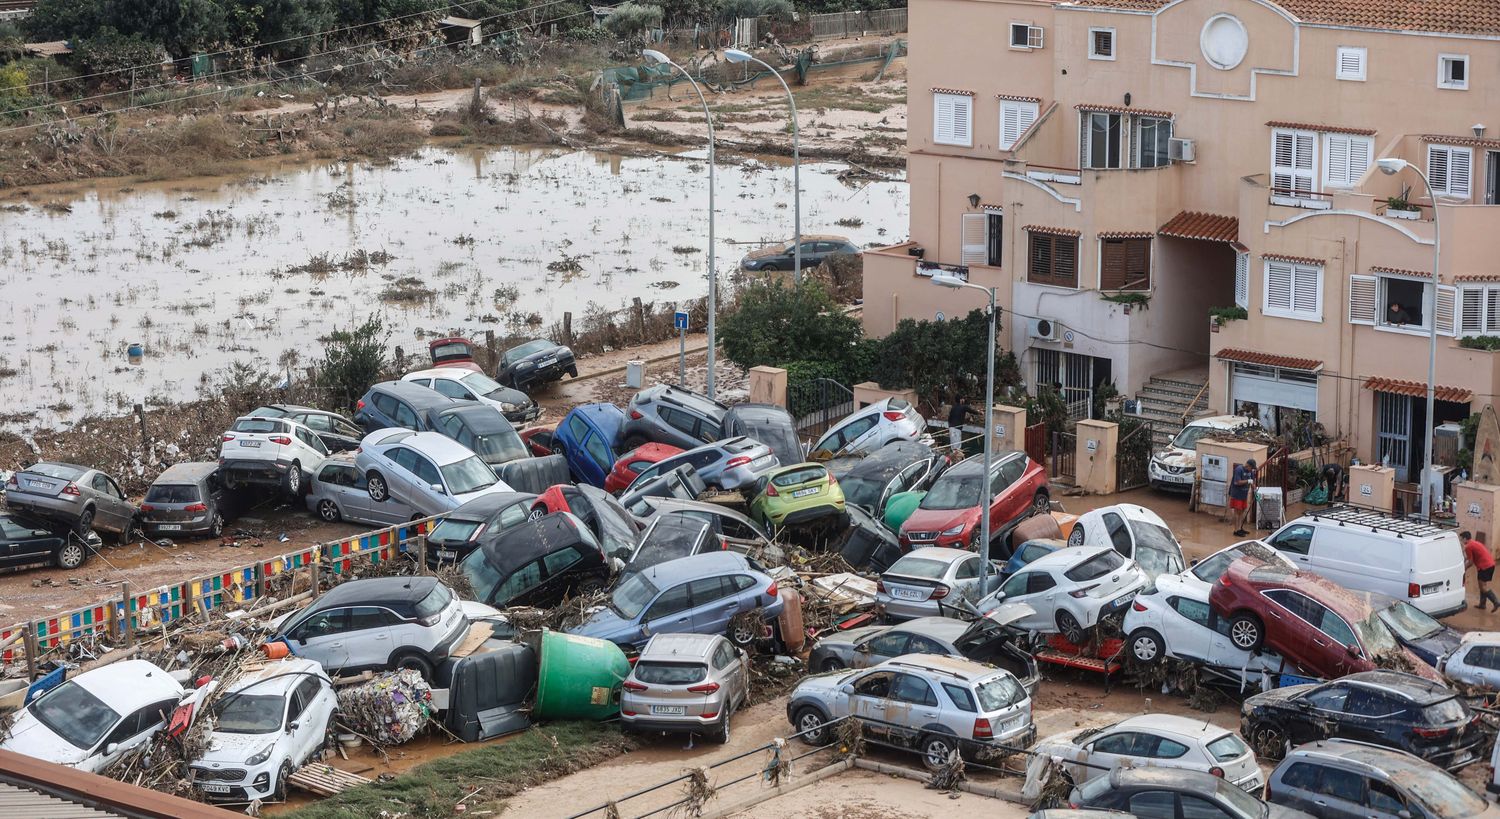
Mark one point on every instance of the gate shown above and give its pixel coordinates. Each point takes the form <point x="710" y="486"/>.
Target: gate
<point x="1393" y="435"/>
<point x="1133" y="456"/>
<point x="818" y="404"/>
<point x="1036" y="443"/>
<point x="1064" y="446"/>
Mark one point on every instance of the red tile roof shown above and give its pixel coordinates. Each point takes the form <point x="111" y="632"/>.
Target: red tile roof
<point x="1282" y="257"/>
<point x="1325" y="129"/>
<point x="1120" y="109"/>
<point x="1125" y="234"/>
<point x="1396" y="271"/>
<point x="1418" y="389"/>
<point x="1209" y="226"/>
<point x="953" y="91"/>
<point x="1252" y="357"/>
<point x="1054" y="231"/>
<point x="1471" y="141"/>
<point x="1019" y="98"/>
<point x="1447" y="16"/>
<point x="1477" y="277"/>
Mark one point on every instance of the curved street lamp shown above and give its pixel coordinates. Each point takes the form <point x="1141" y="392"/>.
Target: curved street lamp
<point x="734" y="55"/>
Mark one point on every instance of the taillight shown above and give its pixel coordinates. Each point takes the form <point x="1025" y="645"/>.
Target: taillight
<point x="1217" y="771"/>
<point x="705" y="688"/>
<point x="1431" y="733"/>
<point x="771" y="490"/>
<point x="632" y="685"/>
<point x="738" y="460"/>
<point x="11" y="481"/>
<point x="281" y="439"/>
<point x="359" y="405"/>
<point x="880" y="586"/>
<point x="431" y="619"/>
<point x="771" y="590"/>
<point x="1413" y="590"/>
<point x="146" y="507"/>
<point x="892" y="415"/>
<point x="193" y="507"/>
<point x="939" y="593"/>
<point x="226" y="437"/>
<point x="1138" y="606"/>
<point x="635" y="415"/>
<point x="1224" y="578"/>
<point x="628" y="713"/>
<point x="708" y="714"/>
<point x="723" y="545"/>
<point x="479" y="530"/>
<point x="982" y="729"/>
<point x="71" y="489"/>
<point x="1083" y="591"/>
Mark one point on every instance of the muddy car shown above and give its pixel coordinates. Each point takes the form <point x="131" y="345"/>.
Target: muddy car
<point x="74" y="495"/>
<point x="187" y="499"/>
<point x="986" y="639"/>
<point x="535" y="363"/>
<point x="26" y="541"/>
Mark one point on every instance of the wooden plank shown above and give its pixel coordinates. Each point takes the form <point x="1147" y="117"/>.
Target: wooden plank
<point x="325" y="780"/>
<point x="478" y="633"/>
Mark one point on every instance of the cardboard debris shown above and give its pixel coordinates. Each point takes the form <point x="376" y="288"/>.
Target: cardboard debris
<point x="390" y="709"/>
<point x="844" y="591"/>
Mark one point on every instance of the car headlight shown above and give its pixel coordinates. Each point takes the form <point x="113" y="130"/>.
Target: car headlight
<point x="506" y="406"/>
<point x="956" y="530"/>
<point x="262" y="755"/>
<point x="525" y="365"/>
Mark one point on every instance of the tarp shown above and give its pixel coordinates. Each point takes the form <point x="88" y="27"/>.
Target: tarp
<point x="487" y="696"/>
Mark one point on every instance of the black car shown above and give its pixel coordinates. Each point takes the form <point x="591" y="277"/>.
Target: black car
<point x="536" y="362"/>
<point x="26" y="541"/>
<point x="671" y="536"/>
<point x="474" y="524"/>
<point x="769" y="424"/>
<point x="900" y="466"/>
<point x="682" y="483"/>
<point x="815" y="249"/>
<point x="401" y="404"/>
<point x="537" y="563"/>
<point x="336" y="432"/>
<point x="1170" y="793"/>
<point x="1389" y="708"/>
<point x="868" y="546"/>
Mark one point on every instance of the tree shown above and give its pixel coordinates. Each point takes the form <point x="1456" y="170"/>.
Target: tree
<point x="731" y="10"/>
<point x="354" y="359"/>
<point x="938" y="359"/>
<point x="776" y="323"/>
<point x="629" y="21"/>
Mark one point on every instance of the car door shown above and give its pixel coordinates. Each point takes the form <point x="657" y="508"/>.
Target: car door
<point x="671" y="612"/>
<point x="1479" y="665"/>
<point x="558" y="571"/>
<point x="600" y="457"/>
<point x="1035" y="588"/>
<point x="134" y="730"/>
<point x="321" y="637"/>
<point x="429" y="486"/>
<point x="1289" y="629"/>
<point x="1339" y="794"/>
<point x="1366" y="714"/>
<point x="349" y="485"/>
<point x="1010" y="502"/>
<point x="1295" y="542"/>
<point x="862" y="433"/>
<point x="966" y="578"/>
<point x="312" y="451"/>
<point x="1192" y="637"/>
<point x="110" y="511"/>
<point x="881" y="648"/>
<point x="452" y="389"/>
<point x="1316" y="714"/>
<point x="912" y="706"/>
<point x="1153" y="805"/>
<point x="1335" y="637"/>
<point x="1106" y="752"/>
<point x="715" y="602"/>
<point x="369" y="638"/>
<point x="870" y="698"/>
<point x="310" y="722"/>
<point x="405" y="416"/>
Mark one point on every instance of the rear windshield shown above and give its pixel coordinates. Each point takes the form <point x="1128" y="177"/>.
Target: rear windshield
<point x="172" y="493"/>
<point x="1444" y="713"/>
<point x="451" y="350"/>
<point x="999" y="692"/>
<point x="259" y="425"/>
<point x="792" y="477"/>
<point x="526" y="349"/>
<point x="1097" y="566"/>
<point x="499" y="447"/>
<point x="1444" y="796"/>
<point x="918" y="567"/>
<point x="454" y="531"/>
<point x="1228" y="747"/>
<point x="61" y="471"/>
<point x="435" y="601"/>
<point x="670" y="673"/>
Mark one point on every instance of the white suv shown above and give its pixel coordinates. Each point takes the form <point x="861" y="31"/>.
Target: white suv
<point x="270" y="451"/>
<point x="378" y="623"/>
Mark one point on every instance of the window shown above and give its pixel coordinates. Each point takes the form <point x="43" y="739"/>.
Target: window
<point x="1015" y="118"/>
<point x="1404" y="303"/>
<point x="969" y="569"/>
<point x="1453" y="71"/>
<point x="452" y="389"/>
<point x="322" y="624"/>
<point x="1448" y="169"/>
<point x="952" y="115"/>
<point x="962" y="699"/>
<point x="1342" y="784"/>
<point x="1480" y="313"/>
<point x="560" y="561"/>
<point x="1483" y="657"/>
<point x="366" y="617"/>
<point x="876" y="685"/>
<point x="1101" y="137"/>
<point x="1328" y="698"/>
<point x="1124" y="743"/>
<point x="1385" y="798"/>
<point x="577" y="427"/>
<point x="1194" y="807"/>
<point x="318" y="423"/>
<point x="925" y="645"/>
<point x="975" y="239"/>
<point x="890" y="644"/>
<point x="599" y="451"/>
<point x="679" y="420"/>
<point x="1153" y="804"/>
<point x="1025" y="35"/>
<point x="1346" y="158"/>
<point x="1194" y="610"/>
<point x="708" y="589"/>
<point x="1124" y="264"/>
<point x="521" y="580"/>
<point x="427" y="473"/>
<point x="1293" y="163"/>
<point x="1351" y="63"/>
<point x="1242" y="279"/>
<point x="1053" y="260"/>
<point x="1302" y="776"/>
<point x="1101" y="44"/>
<point x="1335" y="627"/>
<point x="913" y="689"/>
<point x="1366" y="703"/>
<point x="672" y="601"/>
<point x="405" y="417"/>
<point x="1151" y="136"/>
<point x="1293" y="290"/>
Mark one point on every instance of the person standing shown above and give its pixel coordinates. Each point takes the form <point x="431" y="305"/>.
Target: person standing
<point x="1241" y="490"/>
<point x="957" y="417"/>
<point x="1479" y="556"/>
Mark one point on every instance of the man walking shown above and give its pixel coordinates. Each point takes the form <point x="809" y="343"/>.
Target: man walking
<point x="957" y="417"/>
<point x="1241" y="490"/>
<point x="1479" y="556"/>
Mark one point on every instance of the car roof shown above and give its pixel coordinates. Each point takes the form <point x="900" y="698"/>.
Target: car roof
<point x="942" y="553"/>
<point x="1481" y="637"/>
<point x="374" y="590"/>
<point x="757" y="411"/>
<point x="794" y="467"/>
<point x="964" y="669"/>
<point x="653" y="449"/>
<point x="1400" y="767"/>
<point x="1198" y="729"/>
<point x="679" y="647"/>
<point x="187" y="471"/>
<point x="1068" y="557"/>
<point x="435" y="445"/>
<point x="484" y="506"/>
<point x="1224" y="422"/>
<point x="455" y="373"/>
<point x="975" y="466"/>
<point x="678" y="505"/>
<point x="129" y="684"/>
<point x="81" y="469"/>
<point x="1171" y="778"/>
<point x="607" y="417"/>
<point x="530" y="539"/>
<point x="1419" y="689"/>
<point x="415" y="394"/>
<point x="943" y="628"/>
<point x="1344" y="602"/>
<point x="883" y="462"/>
<point x="276" y="678"/>
<point x="670" y="573"/>
<point x="482" y="418"/>
<point x="1134" y="511"/>
<point x="676" y="394"/>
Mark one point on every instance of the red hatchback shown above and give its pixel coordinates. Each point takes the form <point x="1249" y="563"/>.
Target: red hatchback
<point x="631" y="464"/>
<point x="1308" y="619"/>
<point x="949" y="513"/>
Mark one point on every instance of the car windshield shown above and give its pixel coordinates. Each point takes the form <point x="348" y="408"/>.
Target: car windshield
<point x="1096" y="566"/>
<point x="456" y="349"/>
<point x="614" y="529"/>
<point x="249" y="713"/>
<point x="631" y="597"/>
<point x="484" y="385"/>
<point x="910" y="566"/>
<point x="792" y="477"/>
<point x="1156" y="537"/>
<point x="59" y="471"/>
<point x="518" y="353"/>
<point x="482" y="577"/>
<point x="1228" y="747"/>
<point x="670" y="673"/>
<point x="74" y="714"/>
<point x="954" y="492"/>
<point x="1000" y="692"/>
<point x="435" y="601"/>
<point x="1375" y="637"/>
<point x="1188" y="437"/>
<point x="1406" y="620"/>
<point x="453" y="530"/>
<point x="1157" y="562"/>
<point x="469" y="475"/>
<point x="1442" y="797"/>
<point x="172" y="493"/>
<point x="257" y="425"/>
<point x="862" y="491"/>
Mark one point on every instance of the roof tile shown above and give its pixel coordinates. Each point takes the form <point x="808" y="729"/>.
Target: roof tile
<point x="1120" y="109"/>
<point x="1212" y="227"/>
<point x="1323" y="129"/>
<point x="1282" y="257"/>
<point x="1397" y="271"/>
<point x="1054" y="231"/>
<point x="1417" y="389"/>
<point x="1446" y="16"/>
<point x="1253" y="357"/>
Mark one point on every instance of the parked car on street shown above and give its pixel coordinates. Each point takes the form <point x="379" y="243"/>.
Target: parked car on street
<point x="816" y="248"/>
<point x="612" y="524"/>
<point x="629" y="465"/>
<point x="1423" y="636"/>
<point x="375" y="624"/>
<point x="988" y="639"/>
<point x="475" y="523"/>
<point x="72" y="495"/>
<point x="267" y="724"/>
<point x="673" y="415"/>
<point x="1175" y="467"/>
<point x="424" y="470"/>
<point x="1389" y="708"/>
<point x="588" y="437"/>
<point x="27" y="541"/>
<point x="339" y="491"/>
<point x="1173" y="620"/>
<point x="798" y="495"/>
<point x="686" y="683"/>
<point x="188" y="499"/>
<point x="929" y="582"/>
<point x="270" y="452"/>
<point x="1476" y="661"/>
<point x="92" y="719"/>
<point x="537" y="563"/>
<point x="733" y="463"/>
<point x="949" y="514"/>
<point x="1164" y="793"/>
<point x="1155" y="740"/>
<point x="669" y="537"/>
<point x="400" y="404"/>
<point x="1071" y="590"/>
<point x="769" y="424"/>
<point x="870" y="428"/>
<point x="1135" y="532"/>
<point x="900" y="466"/>
<point x="931" y="704"/>
<point x="536" y="363"/>
<point x="700" y="594"/>
<point x="1354" y="780"/>
<point x="469" y="386"/>
<point x="336" y="432"/>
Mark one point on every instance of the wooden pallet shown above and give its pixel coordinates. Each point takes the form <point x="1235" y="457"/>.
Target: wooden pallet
<point x="324" y="779"/>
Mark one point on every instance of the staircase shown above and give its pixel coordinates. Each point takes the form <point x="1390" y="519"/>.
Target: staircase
<point x="1166" y="398"/>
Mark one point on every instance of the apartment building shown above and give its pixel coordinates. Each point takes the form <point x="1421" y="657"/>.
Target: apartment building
<point x="1118" y="169"/>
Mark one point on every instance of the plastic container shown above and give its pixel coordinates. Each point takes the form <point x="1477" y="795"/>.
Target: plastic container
<point x="276" y="650"/>
<point x="578" y="677"/>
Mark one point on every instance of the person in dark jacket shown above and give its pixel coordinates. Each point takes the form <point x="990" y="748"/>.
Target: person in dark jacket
<point x="957" y="417"/>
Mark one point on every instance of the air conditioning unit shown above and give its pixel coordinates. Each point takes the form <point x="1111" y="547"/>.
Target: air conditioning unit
<point x="1180" y="150"/>
<point x="1042" y="329"/>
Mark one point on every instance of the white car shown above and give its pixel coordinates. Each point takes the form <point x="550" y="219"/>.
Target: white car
<point x="1174" y="620"/>
<point x="1070" y="590"/>
<point x="926" y="582"/>
<point x="1174" y="467"/>
<point x="270" y="451"/>
<point x="267" y="724"/>
<point x="1135" y="532"/>
<point x="427" y="471"/>
<point x="467" y="385"/>
<point x="90" y="721"/>
<point x="1476" y="661"/>
<point x="872" y="427"/>
<point x="1211" y="568"/>
<point x="1155" y="740"/>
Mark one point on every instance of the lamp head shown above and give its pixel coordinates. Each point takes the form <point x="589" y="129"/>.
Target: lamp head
<point x="734" y="55"/>
<point x="947" y="280"/>
<point x="1391" y="165"/>
<point x="655" y="56"/>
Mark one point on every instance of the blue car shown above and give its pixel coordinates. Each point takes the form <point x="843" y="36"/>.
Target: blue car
<point x="401" y="404"/>
<point x="587" y="438"/>
<point x="698" y="594"/>
<point x="1029" y="551"/>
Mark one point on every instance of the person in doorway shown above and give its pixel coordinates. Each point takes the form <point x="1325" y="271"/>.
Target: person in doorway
<point x="1241" y="490"/>
<point x="957" y="417"/>
<point x="1479" y="556"/>
<point x="1397" y="315"/>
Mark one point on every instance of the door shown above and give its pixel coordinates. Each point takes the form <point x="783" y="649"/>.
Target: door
<point x="1295" y="543"/>
<point x="1492" y="177"/>
<point x="671" y="613"/>
<point x="1339" y="794"/>
<point x="912" y="705"/>
<point x="1119" y="534"/>
<point x="1325" y="711"/>
<point x="312" y="712"/>
<point x="22" y="544"/>
<point x="882" y="648"/>
<point x="1107" y="752"/>
<point x="452" y="389"/>
<point x="1008" y="503"/>
<point x="1366" y="711"/>
<point x="1393" y="432"/>
<point x="558" y="572"/>
<point x="715" y="602"/>
<point x="869" y="700"/>
<point x="134" y="730"/>
<point x="1035" y="588"/>
<point x="600" y="458"/>
<point x="110" y="509"/>
<point x="369" y="638"/>
<point x="321" y="637"/>
<point x="1290" y="626"/>
<point x="402" y="483"/>
<point x="966" y="578"/>
<point x="1193" y="638"/>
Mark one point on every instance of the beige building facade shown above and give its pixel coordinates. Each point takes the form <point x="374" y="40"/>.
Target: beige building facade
<point x="1120" y="170"/>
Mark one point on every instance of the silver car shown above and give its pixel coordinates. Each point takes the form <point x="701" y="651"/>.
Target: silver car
<point x="933" y="705"/>
<point x="727" y="464"/>
<point x="686" y="683"/>
<point x="870" y="428"/>
<point x="984" y="640"/>
<point x="424" y="470"/>
<point x="74" y="495"/>
<point x="339" y="491"/>
<point x="930" y="581"/>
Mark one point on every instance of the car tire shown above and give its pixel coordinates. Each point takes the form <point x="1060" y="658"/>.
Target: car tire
<point x="293" y="482"/>
<point x="329" y="511"/>
<point x="279" y="788"/>
<point x="379" y="490"/>
<point x="832" y="664"/>
<point x="573" y="371"/>
<point x="1068" y="626"/>
<point x="415" y="662"/>
<point x="1268" y="742"/>
<point x="72" y="554"/>
<point x="85" y="522"/>
<point x="1146" y="646"/>
<point x="330" y="738"/>
<point x="741" y="637"/>
<point x="216" y="526"/>
<point x="230" y="482"/>
<point x="1075" y="537"/>
<point x="1246" y="632"/>
<point x="1041" y="502"/>
<point x="721" y="730"/>
<point x="123" y="538"/>
<point x="811" y="726"/>
<point x="936" y="750"/>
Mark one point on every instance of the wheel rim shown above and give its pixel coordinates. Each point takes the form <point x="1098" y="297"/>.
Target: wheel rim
<point x="809" y="725"/>
<point x="294" y="478"/>
<point x="726" y="726"/>
<point x="218" y="526"/>
<point x="1145" y="648"/>
<point x="86" y="520"/>
<point x="937" y="753"/>
<point x="743" y="634"/>
<point x="537" y="514"/>
<point x="1244" y="634"/>
<point x="72" y="555"/>
<point x="377" y="488"/>
<point x="328" y="511"/>
<point x="1075" y="538"/>
<point x="1069" y="627"/>
<point x="1039" y="503"/>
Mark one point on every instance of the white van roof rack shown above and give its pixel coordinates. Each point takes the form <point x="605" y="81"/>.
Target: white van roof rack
<point x="1377" y="520"/>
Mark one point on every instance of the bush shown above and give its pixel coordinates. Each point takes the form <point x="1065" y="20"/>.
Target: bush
<point x="938" y="359"/>
<point x="114" y="54"/>
<point x="354" y="360"/>
<point x="1480" y="342"/>
<point x="776" y="323"/>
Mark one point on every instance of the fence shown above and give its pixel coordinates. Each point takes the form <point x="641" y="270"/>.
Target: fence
<point x="818" y="403"/>
<point x="1036" y="443"/>
<point x="1133" y="455"/>
<point x="1064" y="450"/>
<point x="858" y="23"/>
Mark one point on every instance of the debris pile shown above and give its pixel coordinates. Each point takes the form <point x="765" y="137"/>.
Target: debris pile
<point x="390" y="709"/>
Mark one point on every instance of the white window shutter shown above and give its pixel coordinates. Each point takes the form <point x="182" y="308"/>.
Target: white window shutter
<point x="1471" y="311"/>
<point x="1437" y="167"/>
<point x="1351" y="63"/>
<point x="1010" y="125"/>
<point x="1364" y="299"/>
<point x="975" y="238"/>
<point x="1458" y="172"/>
<point x="1361" y="149"/>
<point x="1307" y="291"/>
<point x="1278" y="297"/>
<point x="1446" y="303"/>
<point x="1242" y="280"/>
<point x="1336" y="157"/>
<point x="963" y="109"/>
<point x="1293" y="162"/>
<point x="1492" y="310"/>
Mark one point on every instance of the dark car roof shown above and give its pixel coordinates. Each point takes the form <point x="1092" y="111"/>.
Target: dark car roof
<point x="484" y="506"/>
<point x="1418" y="689"/>
<point x="672" y="572"/>
<point x="751" y="411"/>
<point x="375" y="590"/>
<point x="525" y="542"/>
<point x="415" y="394"/>
<point x="1385" y="759"/>
<point x="677" y="395"/>
<point x="188" y="471"/>
<point x="884" y="462"/>
<point x="483" y="419"/>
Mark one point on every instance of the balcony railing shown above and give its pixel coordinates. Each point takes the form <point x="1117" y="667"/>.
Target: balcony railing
<point x="1291" y="197"/>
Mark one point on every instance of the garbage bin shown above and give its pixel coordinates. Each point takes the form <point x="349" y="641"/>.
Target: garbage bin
<point x="579" y="677"/>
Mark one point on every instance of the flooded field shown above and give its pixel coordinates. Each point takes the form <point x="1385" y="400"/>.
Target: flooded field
<point x="256" y="268"/>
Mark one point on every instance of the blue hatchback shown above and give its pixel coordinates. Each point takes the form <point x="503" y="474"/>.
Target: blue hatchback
<point x="1029" y="551"/>
<point x="587" y="438"/>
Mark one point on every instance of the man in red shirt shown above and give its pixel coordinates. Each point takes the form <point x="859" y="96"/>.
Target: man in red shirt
<point x="1478" y="555"/>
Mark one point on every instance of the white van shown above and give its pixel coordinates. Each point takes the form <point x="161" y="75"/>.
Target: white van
<point x="1364" y="550"/>
<point x="1175" y="467"/>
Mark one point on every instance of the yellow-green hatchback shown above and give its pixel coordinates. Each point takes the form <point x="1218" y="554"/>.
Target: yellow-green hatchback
<point x="797" y="495"/>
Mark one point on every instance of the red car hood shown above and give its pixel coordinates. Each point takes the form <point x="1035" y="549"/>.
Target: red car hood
<point x="936" y="520"/>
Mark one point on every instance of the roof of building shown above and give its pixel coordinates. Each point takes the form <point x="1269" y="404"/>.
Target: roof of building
<point x="1191" y="224"/>
<point x="1325" y="129"/>
<point x="1445" y="16"/>
<point x="53" y="48"/>
<point x="1121" y="109"/>
<point x="1283" y="257"/>
<point x="1418" y="389"/>
<point x="1267" y="359"/>
<point x="1471" y="141"/>
<point x="1053" y="231"/>
<point x="1400" y="271"/>
<point x="31" y="787"/>
<point x="1477" y="277"/>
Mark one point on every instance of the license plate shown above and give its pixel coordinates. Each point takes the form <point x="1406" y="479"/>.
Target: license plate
<point x="906" y="594"/>
<point x="669" y="710"/>
<point x="447" y="554"/>
<point x="249" y="443"/>
<point x="37" y="484"/>
<point x="213" y="787"/>
<point x="1123" y="601"/>
<point x="802" y="493"/>
<point x="170" y="527"/>
<point x="548" y="362"/>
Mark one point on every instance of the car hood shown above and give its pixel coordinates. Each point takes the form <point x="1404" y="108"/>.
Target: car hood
<point x="475" y="610"/>
<point x="1440" y="643"/>
<point x="847" y="639"/>
<point x="233" y="749"/>
<point x="602" y="622"/>
<point x="493" y="489"/>
<point x="1008" y="613"/>
<point x="559" y="351"/>
<point x="820" y="684"/>
<point x="937" y="520"/>
<point x="1278" y="696"/>
<point x="1175" y="457"/>
<point x="30" y="737"/>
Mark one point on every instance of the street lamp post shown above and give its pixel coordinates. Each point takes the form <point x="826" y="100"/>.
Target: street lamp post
<point x="949" y="280"/>
<point x="734" y="55"/>
<point x="713" y="280"/>
<point x="1390" y="166"/>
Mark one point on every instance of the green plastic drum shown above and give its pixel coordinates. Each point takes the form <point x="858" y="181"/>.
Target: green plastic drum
<point x="579" y="677"/>
<point x="899" y="508"/>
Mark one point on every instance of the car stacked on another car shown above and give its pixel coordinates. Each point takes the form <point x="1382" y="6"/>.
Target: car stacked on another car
<point x="536" y="363"/>
<point x="949" y="515"/>
<point x="669" y="414"/>
<point x="989" y="639"/>
<point x="334" y="430"/>
<point x="588" y="437"/>
<point x="612" y="524"/>
<point x="769" y="424"/>
<point x="1174" y="620"/>
<point x="799" y="495"/>
<point x="869" y="428"/>
<point x="630" y="465"/>
<point x="929" y="582"/>
<point x="28" y="541"/>
<point x="1135" y="532"/>
<point x="537" y="562"/>
<point x="1071" y="590"/>
<point x="426" y="471"/>
<point x="686" y="683"/>
<point x="187" y="499"/>
<point x="270" y="452"/>
<point x="1164" y="793"/>
<point x="377" y="623"/>
<point x="400" y="404"/>
<point x="340" y="490"/>
<point x="72" y="495"/>
<point x="466" y="385"/>
<point x="870" y="480"/>
<point x="672" y="536"/>
<point x="475" y="523"/>
<point x="1476" y="661"/>
<point x="729" y="464"/>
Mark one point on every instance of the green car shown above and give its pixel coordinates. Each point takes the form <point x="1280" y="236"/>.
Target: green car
<point x="796" y="495"/>
<point x="900" y="506"/>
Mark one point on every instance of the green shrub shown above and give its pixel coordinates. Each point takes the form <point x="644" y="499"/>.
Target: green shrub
<point x="354" y="360"/>
<point x="774" y="323"/>
<point x="1480" y="342"/>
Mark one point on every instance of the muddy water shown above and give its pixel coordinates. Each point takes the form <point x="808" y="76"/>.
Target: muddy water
<point x="257" y="267"/>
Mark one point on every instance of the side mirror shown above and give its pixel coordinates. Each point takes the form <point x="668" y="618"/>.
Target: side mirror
<point x="846" y="689"/>
<point x="292" y="726"/>
<point x="863" y="648"/>
<point x="436" y="487"/>
<point x="645" y="630"/>
<point x="1193" y="562"/>
<point x="110" y="749"/>
<point x="1353" y="650"/>
<point x="1405" y="814"/>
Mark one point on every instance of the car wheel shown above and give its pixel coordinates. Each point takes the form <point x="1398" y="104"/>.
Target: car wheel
<point x="812" y="727"/>
<point x="1146" y="646"/>
<point x="742" y="634"/>
<point x="378" y="489"/>
<point x="1041" y="504"/>
<point x="937" y="750"/>
<point x="279" y="787"/>
<point x="330" y="737"/>
<point x="216" y="528"/>
<point x="1075" y="537"/>
<point x="573" y="371"/>
<point x="1269" y="742"/>
<point x="832" y="664"/>
<point x="1068" y="626"/>
<point x="770" y="267"/>
<point x="589" y="587"/>
<point x="293" y="484"/>
<point x="71" y="555"/>
<point x="85" y="521"/>
<point x="557" y="449"/>
<point x="230" y="482"/>
<point x="974" y="540"/>
<point x="417" y="663"/>
<point x="721" y="731"/>
<point x="1246" y="632"/>
<point x="329" y="511"/>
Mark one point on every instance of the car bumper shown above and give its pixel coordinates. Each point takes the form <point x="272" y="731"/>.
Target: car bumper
<point x="524" y="416"/>
<point x="552" y="372"/>
<point x="58" y="508"/>
<point x="255" y="784"/>
<point x="255" y="471"/>
<point x="1163" y="478"/>
<point x="1010" y="742"/>
<point x="1449" y="610"/>
<point x="958" y="541"/>
<point x="906" y="609"/>
<point x="1251" y="784"/>
<point x="196" y="526"/>
<point x="822" y="513"/>
<point x="647" y="721"/>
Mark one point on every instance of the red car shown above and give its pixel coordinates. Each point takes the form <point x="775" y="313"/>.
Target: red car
<point x="455" y="351"/>
<point x="631" y="464"/>
<point x="949" y="513"/>
<point x="607" y="520"/>
<point x="1308" y="619"/>
<point x="538" y="441"/>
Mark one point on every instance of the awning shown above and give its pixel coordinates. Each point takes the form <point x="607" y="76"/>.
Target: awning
<point x="1322" y="129"/>
<point x="1269" y="360"/>
<point x="1210" y="227"/>
<point x="1053" y="231"/>
<point x="1397" y="271"/>
<point x="1120" y="109"/>
<point x="1418" y="389"/>
<point x="1477" y="277"/>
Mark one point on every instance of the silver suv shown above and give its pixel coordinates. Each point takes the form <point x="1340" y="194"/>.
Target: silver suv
<point x="933" y="705"/>
<point x="672" y="415"/>
<point x="686" y="683"/>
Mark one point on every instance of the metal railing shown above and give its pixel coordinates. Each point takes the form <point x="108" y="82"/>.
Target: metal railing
<point x="857" y="23"/>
